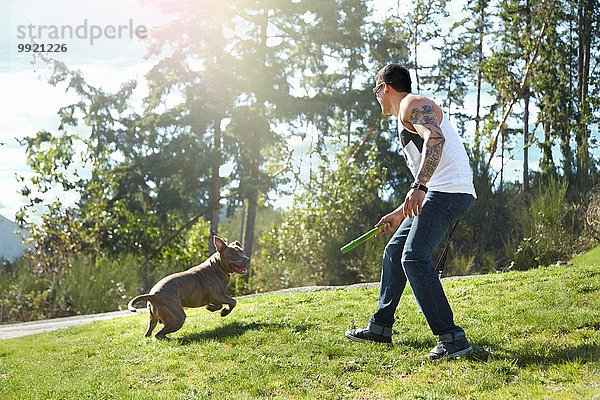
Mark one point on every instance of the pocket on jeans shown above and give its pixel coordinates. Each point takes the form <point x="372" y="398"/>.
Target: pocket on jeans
<point x="463" y="204"/>
<point x="459" y="206"/>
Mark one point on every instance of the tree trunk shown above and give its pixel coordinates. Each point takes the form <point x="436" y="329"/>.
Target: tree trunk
<point x="567" y="154"/>
<point x="349" y="109"/>
<point x="584" y="11"/>
<point x="250" y="222"/>
<point x="476" y="147"/>
<point x="566" y="132"/>
<point x="415" y="33"/>
<point x="415" y="42"/>
<point x="525" y="184"/>
<point x="502" y="161"/>
<point x="547" y="164"/>
<point x="243" y="221"/>
<point x="254" y="167"/>
<point x="215" y="189"/>
<point x="526" y="96"/>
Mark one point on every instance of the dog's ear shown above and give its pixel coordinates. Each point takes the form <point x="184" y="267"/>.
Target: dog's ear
<point x="220" y="244"/>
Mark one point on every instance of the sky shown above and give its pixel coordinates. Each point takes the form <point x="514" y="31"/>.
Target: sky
<point x="29" y="104"/>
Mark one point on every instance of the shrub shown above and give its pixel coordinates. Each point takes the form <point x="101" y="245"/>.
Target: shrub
<point x="103" y="285"/>
<point x="549" y="227"/>
<point x="589" y="218"/>
<point x="30" y="296"/>
<point x="337" y="206"/>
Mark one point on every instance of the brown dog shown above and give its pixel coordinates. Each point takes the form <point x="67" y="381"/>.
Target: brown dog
<point x="203" y="285"/>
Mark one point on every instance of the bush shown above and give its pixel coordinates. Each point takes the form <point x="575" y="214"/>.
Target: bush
<point x="484" y="233"/>
<point x="30" y="296"/>
<point x="549" y="227"/>
<point x="23" y="305"/>
<point x="589" y="218"/>
<point x="105" y="285"/>
<point x="86" y="287"/>
<point x="338" y="206"/>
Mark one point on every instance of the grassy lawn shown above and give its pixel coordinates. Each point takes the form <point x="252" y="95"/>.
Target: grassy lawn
<point x="536" y="335"/>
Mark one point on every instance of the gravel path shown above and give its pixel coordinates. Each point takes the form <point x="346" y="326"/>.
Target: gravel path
<point x="12" y="331"/>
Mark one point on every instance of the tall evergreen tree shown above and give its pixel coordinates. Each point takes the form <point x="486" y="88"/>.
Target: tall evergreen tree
<point x="588" y="27"/>
<point x="194" y="73"/>
<point x="421" y="25"/>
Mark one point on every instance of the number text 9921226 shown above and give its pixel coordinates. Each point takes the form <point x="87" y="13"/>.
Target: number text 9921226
<point x="42" y="48"/>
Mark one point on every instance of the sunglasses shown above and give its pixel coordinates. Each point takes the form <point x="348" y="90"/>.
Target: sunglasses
<point x="377" y="88"/>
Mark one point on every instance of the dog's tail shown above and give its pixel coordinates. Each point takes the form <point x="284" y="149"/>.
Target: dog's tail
<point x="141" y="297"/>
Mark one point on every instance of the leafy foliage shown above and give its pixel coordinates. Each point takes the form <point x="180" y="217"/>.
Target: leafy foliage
<point x="338" y="206"/>
<point x="549" y="226"/>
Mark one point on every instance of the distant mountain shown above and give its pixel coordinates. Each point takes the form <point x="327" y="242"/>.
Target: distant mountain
<point x="11" y="236"/>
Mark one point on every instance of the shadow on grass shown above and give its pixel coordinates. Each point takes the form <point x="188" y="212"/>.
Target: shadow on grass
<point x="583" y="353"/>
<point x="230" y="330"/>
<point x="554" y="355"/>
<point x="526" y="356"/>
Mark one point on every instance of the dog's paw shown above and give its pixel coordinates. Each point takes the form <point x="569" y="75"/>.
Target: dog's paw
<point x="214" y="307"/>
<point x="225" y="311"/>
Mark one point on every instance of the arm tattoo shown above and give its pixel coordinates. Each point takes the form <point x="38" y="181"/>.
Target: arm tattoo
<point x="425" y="122"/>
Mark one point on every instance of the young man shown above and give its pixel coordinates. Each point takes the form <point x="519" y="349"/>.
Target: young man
<point x="441" y="193"/>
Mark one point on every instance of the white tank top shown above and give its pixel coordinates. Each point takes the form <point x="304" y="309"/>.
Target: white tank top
<point x="453" y="174"/>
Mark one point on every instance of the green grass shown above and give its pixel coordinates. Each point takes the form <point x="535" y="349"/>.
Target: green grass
<point x="536" y="335"/>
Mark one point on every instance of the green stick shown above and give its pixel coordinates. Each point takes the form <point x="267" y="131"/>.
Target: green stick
<point x="362" y="239"/>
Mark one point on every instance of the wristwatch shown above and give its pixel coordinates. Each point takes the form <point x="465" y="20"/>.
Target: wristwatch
<point x="419" y="186"/>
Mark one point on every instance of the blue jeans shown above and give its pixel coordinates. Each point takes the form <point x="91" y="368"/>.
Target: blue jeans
<point x="407" y="256"/>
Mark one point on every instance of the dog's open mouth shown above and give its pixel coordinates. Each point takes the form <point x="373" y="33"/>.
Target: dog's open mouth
<point x="241" y="268"/>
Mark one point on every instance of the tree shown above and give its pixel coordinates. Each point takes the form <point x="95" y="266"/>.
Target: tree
<point x="265" y="90"/>
<point x="587" y="22"/>
<point x="128" y="195"/>
<point x="267" y="47"/>
<point x="552" y="87"/>
<point x="304" y="249"/>
<point x="387" y="42"/>
<point x="194" y="72"/>
<point x="510" y="58"/>
<point x="478" y="35"/>
<point x="422" y="26"/>
<point x="449" y="75"/>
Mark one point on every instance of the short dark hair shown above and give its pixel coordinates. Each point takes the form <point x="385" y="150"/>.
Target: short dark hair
<point x="395" y="75"/>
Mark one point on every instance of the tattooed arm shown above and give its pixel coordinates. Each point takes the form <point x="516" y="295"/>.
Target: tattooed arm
<point x="422" y="117"/>
<point x="419" y="112"/>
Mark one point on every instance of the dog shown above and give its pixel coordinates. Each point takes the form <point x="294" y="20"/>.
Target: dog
<point x="203" y="285"/>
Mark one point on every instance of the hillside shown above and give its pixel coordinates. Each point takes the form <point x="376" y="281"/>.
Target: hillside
<point x="536" y="335"/>
<point x="10" y="243"/>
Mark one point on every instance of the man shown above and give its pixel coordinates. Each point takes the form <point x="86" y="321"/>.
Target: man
<point x="441" y="193"/>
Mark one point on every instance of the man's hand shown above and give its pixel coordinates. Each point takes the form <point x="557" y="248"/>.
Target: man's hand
<point x="413" y="204"/>
<point x="391" y="221"/>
